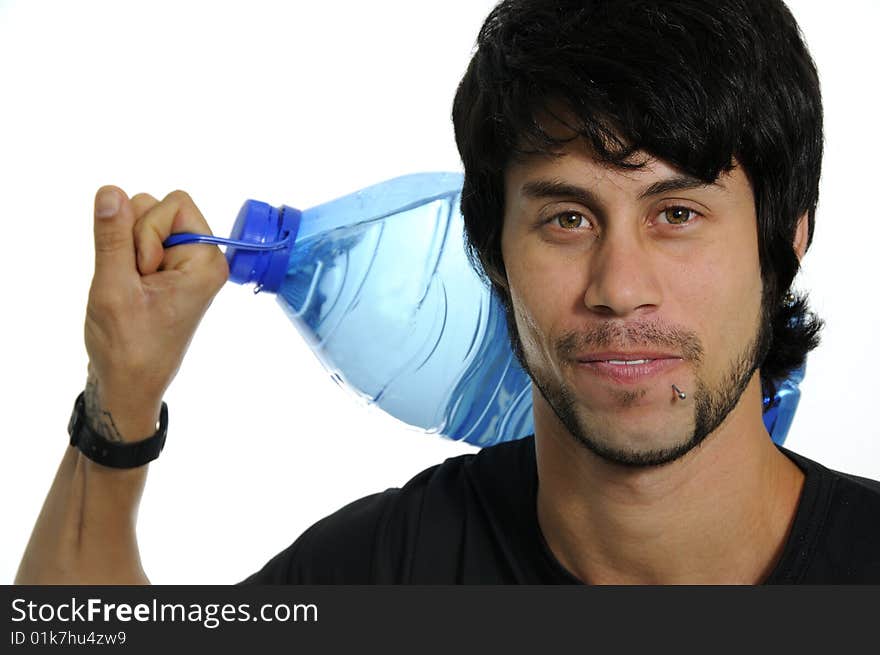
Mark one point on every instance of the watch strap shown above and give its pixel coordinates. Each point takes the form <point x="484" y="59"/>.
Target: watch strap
<point x="112" y="453"/>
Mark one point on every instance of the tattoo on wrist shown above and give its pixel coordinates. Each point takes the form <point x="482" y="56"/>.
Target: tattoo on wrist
<point x="99" y="419"/>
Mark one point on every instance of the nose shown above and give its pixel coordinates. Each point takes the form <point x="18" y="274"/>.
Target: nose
<point x="622" y="276"/>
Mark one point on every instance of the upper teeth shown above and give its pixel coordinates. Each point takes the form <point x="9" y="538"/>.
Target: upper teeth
<point x="629" y="362"/>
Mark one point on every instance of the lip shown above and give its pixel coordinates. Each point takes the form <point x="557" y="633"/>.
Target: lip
<point x="631" y="373"/>
<point x="619" y="354"/>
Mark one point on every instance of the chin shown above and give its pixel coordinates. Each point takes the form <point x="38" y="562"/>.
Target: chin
<point x="636" y="443"/>
<point x="641" y="456"/>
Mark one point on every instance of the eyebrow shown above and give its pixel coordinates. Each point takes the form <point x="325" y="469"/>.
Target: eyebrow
<point x="555" y="188"/>
<point x="677" y="183"/>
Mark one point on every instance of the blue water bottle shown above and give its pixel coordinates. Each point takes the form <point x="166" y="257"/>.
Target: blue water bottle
<point x="379" y="284"/>
<point x="779" y="410"/>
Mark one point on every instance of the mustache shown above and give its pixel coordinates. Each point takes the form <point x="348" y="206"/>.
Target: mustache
<point x="629" y="336"/>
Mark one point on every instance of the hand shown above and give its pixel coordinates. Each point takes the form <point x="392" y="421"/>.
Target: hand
<point x="144" y="305"/>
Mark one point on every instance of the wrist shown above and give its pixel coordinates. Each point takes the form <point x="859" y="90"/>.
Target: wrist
<point x="122" y="424"/>
<point x="127" y="417"/>
<point x="106" y="445"/>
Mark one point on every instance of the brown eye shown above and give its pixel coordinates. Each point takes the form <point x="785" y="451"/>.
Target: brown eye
<point x="678" y="215"/>
<point x="569" y="220"/>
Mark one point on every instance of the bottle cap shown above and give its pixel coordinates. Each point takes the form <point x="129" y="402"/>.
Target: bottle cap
<point x="261" y="223"/>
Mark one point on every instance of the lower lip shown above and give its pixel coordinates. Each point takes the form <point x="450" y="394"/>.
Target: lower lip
<point x="631" y="373"/>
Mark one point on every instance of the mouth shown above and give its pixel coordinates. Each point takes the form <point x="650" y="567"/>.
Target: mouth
<point x="629" y="371"/>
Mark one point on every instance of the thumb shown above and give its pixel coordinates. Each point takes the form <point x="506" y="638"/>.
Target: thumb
<point x="114" y="234"/>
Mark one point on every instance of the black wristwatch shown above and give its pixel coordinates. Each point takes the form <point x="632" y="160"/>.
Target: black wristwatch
<point x="111" y="453"/>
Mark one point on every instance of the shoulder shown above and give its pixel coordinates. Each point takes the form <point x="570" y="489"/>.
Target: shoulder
<point x="488" y="466"/>
<point x="846" y="490"/>
<point x="854" y="507"/>
<point x="335" y="550"/>
<point x="372" y="539"/>
<point x="847" y="517"/>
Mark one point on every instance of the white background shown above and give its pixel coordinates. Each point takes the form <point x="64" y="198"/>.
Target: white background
<point x="298" y="103"/>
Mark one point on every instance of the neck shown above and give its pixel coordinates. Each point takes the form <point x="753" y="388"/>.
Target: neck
<point x="720" y="514"/>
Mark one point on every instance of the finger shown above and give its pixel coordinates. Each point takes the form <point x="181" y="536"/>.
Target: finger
<point x="141" y="204"/>
<point x="175" y="213"/>
<point x="114" y="245"/>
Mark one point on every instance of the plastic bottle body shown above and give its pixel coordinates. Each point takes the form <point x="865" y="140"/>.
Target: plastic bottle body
<point x="395" y="312"/>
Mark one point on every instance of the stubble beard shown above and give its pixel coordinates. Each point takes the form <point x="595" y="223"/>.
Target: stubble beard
<point x="711" y="404"/>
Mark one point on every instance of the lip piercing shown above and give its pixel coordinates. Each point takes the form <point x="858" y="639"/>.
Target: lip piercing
<point x="681" y="394"/>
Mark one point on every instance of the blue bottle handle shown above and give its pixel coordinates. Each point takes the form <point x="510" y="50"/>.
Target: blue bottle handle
<point x="182" y="238"/>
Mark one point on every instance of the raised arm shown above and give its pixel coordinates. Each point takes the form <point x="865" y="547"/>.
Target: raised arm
<point x="144" y="306"/>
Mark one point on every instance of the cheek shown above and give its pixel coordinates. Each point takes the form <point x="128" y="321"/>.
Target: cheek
<point x="529" y="311"/>
<point x="729" y="300"/>
<point x="538" y="298"/>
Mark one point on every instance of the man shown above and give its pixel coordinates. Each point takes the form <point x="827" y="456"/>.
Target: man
<point x="641" y="179"/>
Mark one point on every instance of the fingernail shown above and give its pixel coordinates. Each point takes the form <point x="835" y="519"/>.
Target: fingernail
<point x="106" y="204"/>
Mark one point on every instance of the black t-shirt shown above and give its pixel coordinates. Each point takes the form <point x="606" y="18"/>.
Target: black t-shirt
<point x="473" y="520"/>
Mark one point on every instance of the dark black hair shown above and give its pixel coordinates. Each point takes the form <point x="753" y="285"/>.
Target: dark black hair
<point x="697" y="83"/>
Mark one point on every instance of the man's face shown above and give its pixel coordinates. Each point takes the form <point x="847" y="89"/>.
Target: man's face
<point x="606" y="264"/>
